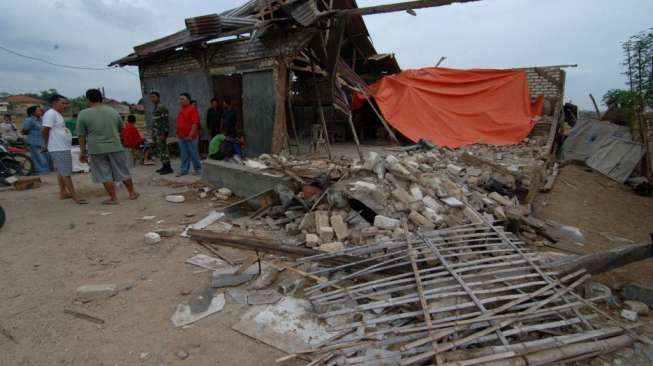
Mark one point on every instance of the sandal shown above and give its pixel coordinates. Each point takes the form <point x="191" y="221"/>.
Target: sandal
<point x="109" y="202"/>
<point x="81" y="201"/>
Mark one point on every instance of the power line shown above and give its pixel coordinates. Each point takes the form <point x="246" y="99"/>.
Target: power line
<point x="61" y="65"/>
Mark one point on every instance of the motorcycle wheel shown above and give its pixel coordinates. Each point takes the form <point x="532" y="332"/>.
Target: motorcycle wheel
<point x="2" y="217"/>
<point x="26" y="163"/>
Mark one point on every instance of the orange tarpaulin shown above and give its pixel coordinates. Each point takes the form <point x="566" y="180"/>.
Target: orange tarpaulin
<point x="457" y="107"/>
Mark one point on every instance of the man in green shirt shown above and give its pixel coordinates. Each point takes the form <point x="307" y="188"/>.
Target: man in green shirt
<point x="160" y="130"/>
<point x="99" y="128"/>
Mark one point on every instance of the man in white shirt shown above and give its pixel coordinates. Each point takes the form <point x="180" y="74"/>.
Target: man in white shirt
<point x="58" y="142"/>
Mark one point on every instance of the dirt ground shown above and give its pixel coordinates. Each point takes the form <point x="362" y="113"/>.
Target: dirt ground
<point x="609" y="215"/>
<point x="50" y="247"/>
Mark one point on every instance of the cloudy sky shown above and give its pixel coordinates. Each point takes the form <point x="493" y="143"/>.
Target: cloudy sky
<point x="490" y="33"/>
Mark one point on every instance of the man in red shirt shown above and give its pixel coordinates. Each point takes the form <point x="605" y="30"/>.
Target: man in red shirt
<point x="188" y="133"/>
<point x="132" y="140"/>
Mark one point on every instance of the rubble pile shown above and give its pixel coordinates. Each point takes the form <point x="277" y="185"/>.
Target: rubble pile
<point x="333" y="205"/>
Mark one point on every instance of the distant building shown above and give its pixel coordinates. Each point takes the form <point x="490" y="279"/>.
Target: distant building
<point x="18" y="104"/>
<point x="4" y="107"/>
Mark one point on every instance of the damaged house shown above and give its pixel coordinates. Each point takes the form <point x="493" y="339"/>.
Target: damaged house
<point x="268" y="58"/>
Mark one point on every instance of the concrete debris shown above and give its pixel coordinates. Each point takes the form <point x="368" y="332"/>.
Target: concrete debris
<point x="166" y="233"/>
<point x="229" y="280"/>
<point x="207" y="262"/>
<point x="386" y="223"/>
<point x="290" y="325"/>
<point x="335" y="246"/>
<point x="87" y="293"/>
<point x="636" y="306"/>
<point x="175" y="198"/>
<point x="629" y="315"/>
<point x="152" y="238"/>
<point x="183" y="315"/>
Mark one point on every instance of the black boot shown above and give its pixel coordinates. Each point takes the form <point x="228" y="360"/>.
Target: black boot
<point x="161" y="168"/>
<point x="167" y="169"/>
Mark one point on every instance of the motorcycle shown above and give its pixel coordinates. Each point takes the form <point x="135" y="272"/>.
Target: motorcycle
<point x="9" y="156"/>
<point x="10" y="168"/>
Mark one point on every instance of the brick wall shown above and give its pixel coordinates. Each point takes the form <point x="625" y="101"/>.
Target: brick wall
<point x="539" y="84"/>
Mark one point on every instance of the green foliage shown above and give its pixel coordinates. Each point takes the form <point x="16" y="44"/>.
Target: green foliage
<point x="78" y="104"/>
<point x="620" y="98"/>
<point x="638" y="54"/>
<point x="47" y="94"/>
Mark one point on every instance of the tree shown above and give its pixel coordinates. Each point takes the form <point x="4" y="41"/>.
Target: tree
<point x="78" y="104"/>
<point x="620" y="98"/>
<point x="638" y="61"/>
<point x="47" y="94"/>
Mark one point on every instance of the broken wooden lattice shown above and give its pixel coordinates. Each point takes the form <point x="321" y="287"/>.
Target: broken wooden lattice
<point x="465" y="295"/>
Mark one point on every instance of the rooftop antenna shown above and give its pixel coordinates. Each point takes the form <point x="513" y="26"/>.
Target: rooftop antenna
<point x="440" y="61"/>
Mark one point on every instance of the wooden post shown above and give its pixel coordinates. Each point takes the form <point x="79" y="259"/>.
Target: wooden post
<point x="292" y="114"/>
<point x="320" y="110"/>
<point x="355" y="135"/>
<point x="596" y="107"/>
<point x="380" y="116"/>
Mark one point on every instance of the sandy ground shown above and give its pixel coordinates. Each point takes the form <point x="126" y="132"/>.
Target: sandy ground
<point x="608" y="213"/>
<point x="50" y="247"/>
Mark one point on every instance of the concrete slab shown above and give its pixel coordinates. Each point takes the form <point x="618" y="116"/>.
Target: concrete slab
<point x="241" y="180"/>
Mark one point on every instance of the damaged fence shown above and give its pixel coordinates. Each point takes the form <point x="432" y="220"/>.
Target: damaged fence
<point x="465" y="295"/>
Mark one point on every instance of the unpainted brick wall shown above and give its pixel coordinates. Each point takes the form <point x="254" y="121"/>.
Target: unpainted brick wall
<point x="538" y="85"/>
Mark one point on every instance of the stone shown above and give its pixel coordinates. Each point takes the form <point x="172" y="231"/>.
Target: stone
<point x="182" y="354"/>
<point x="339" y="227"/>
<point x="364" y="185"/>
<point x="87" y="293"/>
<point x="312" y="240"/>
<point x="629" y="315"/>
<point x="175" y="198"/>
<point x="420" y="221"/>
<point x="500" y="213"/>
<point x="498" y="198"/>
<point x="386" y="223"/>
<point x="326" y="233"/>
<point x="152" y="238"/>
<point x="267" y="277"/>
<point x="401" y="195"/>
<point x="639" y="307"/>
<point x="455" y="169"/>
<point x="228" y="280"/>
<point x="416" y="192"/>
<point x="225" y="192"/>
<point x="433" y="204"/>
<point x="321" y="220"/>
<point x="453" y="202"/>
<point x="335" y="246"/>
<point x="166" y="233"/>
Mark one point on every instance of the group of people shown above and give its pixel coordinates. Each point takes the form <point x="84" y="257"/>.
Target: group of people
<point x="99" y="131"/>
<point x="221" y="122"/>
<point x="103" y="138"/>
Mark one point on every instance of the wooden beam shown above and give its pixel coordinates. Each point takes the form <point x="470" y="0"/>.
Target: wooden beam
<point x="601" y="262"/>
<point x="397" y="7"/>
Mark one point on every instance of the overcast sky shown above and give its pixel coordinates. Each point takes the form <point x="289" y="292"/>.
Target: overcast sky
<point x="486" y="34"/>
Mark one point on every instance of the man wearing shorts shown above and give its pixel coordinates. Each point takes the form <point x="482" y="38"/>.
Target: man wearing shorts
<point x="99" y="129"/>
<point x="58" y="142"/>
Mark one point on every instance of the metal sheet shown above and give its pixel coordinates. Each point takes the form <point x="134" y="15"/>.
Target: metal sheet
<point x="259" y="107"/>
<point x="197" y="83"/>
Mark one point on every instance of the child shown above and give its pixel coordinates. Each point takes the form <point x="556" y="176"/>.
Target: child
<point x="132" y="140"/>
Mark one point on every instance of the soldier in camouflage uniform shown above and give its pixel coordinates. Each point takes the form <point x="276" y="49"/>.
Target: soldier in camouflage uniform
<point x="160" y="130"/>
